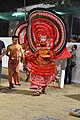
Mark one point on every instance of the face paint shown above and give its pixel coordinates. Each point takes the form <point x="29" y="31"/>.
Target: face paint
<point x="43" y="40"/>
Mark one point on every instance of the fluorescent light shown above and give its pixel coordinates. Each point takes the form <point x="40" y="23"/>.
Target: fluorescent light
<point x="18" y="14"/>
<point x="60" y="13"/>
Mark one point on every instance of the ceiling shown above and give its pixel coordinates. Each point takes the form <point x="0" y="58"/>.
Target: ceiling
<point x="9" y="8"/>
<point x="20" y="15"/>
<point x="12" y="5"/>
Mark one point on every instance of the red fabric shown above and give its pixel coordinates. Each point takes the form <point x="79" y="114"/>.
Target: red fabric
<point x="37" y="80"/>
<point x="44" y="70"/>
<point x="64" y="54"/>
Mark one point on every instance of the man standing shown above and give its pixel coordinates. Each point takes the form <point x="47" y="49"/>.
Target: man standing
<point x="71" y="62"/>
<point x="15" y="54"/>
<point x="2" y="53"/>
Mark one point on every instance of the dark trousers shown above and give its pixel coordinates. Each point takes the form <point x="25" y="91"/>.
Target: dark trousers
<point x="68" y="74"/>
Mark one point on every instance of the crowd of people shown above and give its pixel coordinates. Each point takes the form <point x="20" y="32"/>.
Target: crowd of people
<point x="41" y="59"/>
<point x="39" y="66"/>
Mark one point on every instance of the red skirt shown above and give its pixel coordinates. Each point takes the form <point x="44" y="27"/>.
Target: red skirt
<point x="41" y="75"/>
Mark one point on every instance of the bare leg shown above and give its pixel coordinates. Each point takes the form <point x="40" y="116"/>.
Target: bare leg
<point x="16" y="78"/>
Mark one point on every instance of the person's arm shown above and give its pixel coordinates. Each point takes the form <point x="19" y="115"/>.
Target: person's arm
<point x="3" y="52"/>
<point x="74" y="57"/>
<point x="7" y="51"/>
<point x="22" y="54"/>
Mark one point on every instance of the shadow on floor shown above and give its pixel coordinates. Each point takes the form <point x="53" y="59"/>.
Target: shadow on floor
<point x="6" y="77"/>
<point x="16" y="91"/>
<point x="74" y="96"/>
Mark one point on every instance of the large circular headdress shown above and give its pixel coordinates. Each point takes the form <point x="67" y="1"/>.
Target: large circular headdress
<point x="43" y="22"/>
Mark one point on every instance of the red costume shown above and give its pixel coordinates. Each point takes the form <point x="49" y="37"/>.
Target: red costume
<point x="44" y="49"/>
<point x="42" y="68"/>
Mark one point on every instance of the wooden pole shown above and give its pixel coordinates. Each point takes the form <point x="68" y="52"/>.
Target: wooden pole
<point x="25" y="9"/>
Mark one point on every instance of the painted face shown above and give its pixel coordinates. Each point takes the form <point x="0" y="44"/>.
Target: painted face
<point x="15" y="41"/>
<point x="43" y="41"/>
<point x="42" y="44"/>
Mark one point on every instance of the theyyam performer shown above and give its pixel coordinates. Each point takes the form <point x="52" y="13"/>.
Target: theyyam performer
<point x="42" y="68"/>
<point x="46" y="36"/>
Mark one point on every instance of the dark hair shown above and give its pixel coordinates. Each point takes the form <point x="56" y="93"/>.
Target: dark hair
<point x="75" y="46"/>
<point x="14" y="37"/>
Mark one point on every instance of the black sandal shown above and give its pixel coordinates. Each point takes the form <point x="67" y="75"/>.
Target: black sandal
<point x="11" y="86"/>
<point x="43" y="91"/>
